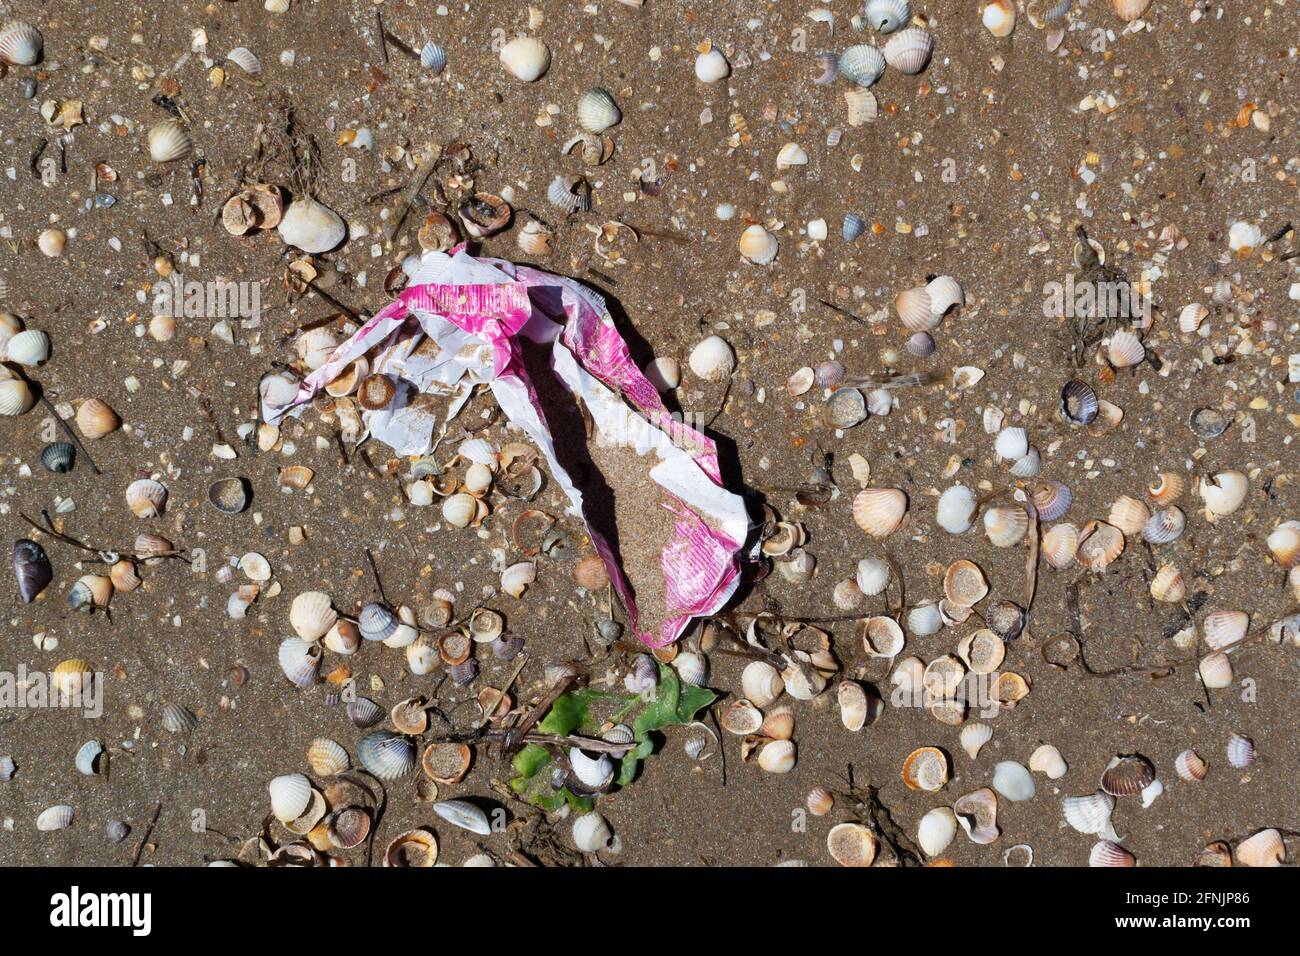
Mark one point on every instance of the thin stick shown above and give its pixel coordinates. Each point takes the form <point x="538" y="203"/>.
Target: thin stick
<point x="135" y="861"/>
<point x="383" y="44"/>
<point x="844" y="312"/>
<point x="375" y="571"/>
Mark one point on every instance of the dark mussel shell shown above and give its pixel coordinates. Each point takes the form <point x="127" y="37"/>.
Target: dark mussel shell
<point x="1079" y="402"/>
<point x="31" y="568"/>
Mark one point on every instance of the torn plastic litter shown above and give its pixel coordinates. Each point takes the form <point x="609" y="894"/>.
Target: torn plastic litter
<point x="481" y="314"/>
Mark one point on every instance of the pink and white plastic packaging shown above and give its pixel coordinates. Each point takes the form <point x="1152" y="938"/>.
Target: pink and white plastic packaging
<point x="475" y="310"/>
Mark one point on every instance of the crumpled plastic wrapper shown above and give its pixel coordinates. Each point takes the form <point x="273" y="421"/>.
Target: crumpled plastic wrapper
<point x="480" y="313"/>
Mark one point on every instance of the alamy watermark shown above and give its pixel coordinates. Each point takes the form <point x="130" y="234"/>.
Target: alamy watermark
<point x="179" y="298"/>
<point x="1083" y="297"/>
<point x="37" y="690"/>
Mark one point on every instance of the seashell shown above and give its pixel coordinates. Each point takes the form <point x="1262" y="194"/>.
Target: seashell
<point x="1241" y="751"/>
<point x="644" y="675"/>
<point x="693" y="668"/>
<point x="936" y="830"/>
<point x="1191" y="317"/>
<point x="91" y="591"/>
<point x="597" y="110"/>
<point x="956" y="509"/>
<point x="761" y="683"/>
<point x="1223" y="629"/>
<point x="1079" y="403"/>
<point x="1165" y="525"/>
<point x="1129" y="515"/>
<point x="169" y="141"/>
<point x="178" y="719"/>
<point x="977" y="812"/>
<point x="757" y="245"/>
<point x="862" y="109"/>
<point x="828" y="67"/>
<point x="1048" y="760"/>
<point x="847" y="595"/>
<point x="594" y="771"/>
<point x="124" y="577"/>
<point x="20" y="44"/>
<point x="58" y="457"/>
<point x="973" y="737"/>
<point x="925" y="619"/>
<point x="908" y="51"/>
<point x="245" y="59"/>
<point x="433" y="58"/>
<point x="57" y="817"/>
<point x="30" y="348"/>
<point x="15" y="396"/>
<point x="1264" y="848"/>
<point x="855" y="704"/>
<point x="52" y="242"/>
<point x="31" y="568"/>
<point x="964" y="583"/>
<point x="146" y="497"/>
<point x="312" y="615"/>
<point x="348" y="827"/>
<point x="311" y="226"/>
<point x="1005" y="526"/>
<point x="921" y="344"/>
<point x="1127" y="776"/>
<point x="535" y="238"/>
<point x="526" y="58"/>
<point x="711" y="65"/>
<point x="385" y="754"/>
<point x="999" y="17"/>
<point x="1216" y="854"/>
<point x="230" y="495"/>
<point x="873" y="576"/>
<point x="1223" y="493"/>
<point x="1284" y="543"/>
<point x="879" y="511"/>
<point x="1209" y="422"/>
<point x="1168" y="585"/>
<point x="880" y="401"/>
<point x="712" y="360"/>
<point x="886" y="16"/>
<point x="1011" y="444"/>
<point x="463" y="814"/>
<point x="883" y="637"/>
<point x="852" y="844"/>
<point x="925" y="768"/>
<point x="117" y="831"/>
<point x="1129" y="10"/>
<point x="819" y="801"/>
<point x="1090" y="814"/>
<point x="1052" y="499"/>
<point x="1190" y="767"/>
<point x="742" y="718"/>
<point x="1059" y="544"/>
<point x="915" y="309"/>
<point x="790" y="155"/>
<point x="95" y="419"/>
<point x="290" y="796"/>
<point x="327" y="757"/>
<point x="854" y="226"/>
<point x="1099" y="545"/>
<point x="846" y="408"/>
<point x="983" y="650"/>
<point x="1215" y="670"/>
<point x="364" y="712"/>
<point x="592" y="833"/>
<point x="437" y="233"/>
<point x="1013" y="781"/>
<point x="778" y="725"/>
<point x="1125" y="349"/>
<point x="1044" y="12"/>
<point x="88" y="760"/>
<point x="1107" y="853"/>
<point x="862" y="64"/>
<point x="516" y="578"/>
<point x="414" y="848"/>
<point x="300" y="660"/>
<point x="664" y="373"/>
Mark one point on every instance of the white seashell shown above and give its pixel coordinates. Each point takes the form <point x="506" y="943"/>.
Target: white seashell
<point x="459" y="509"/>
<point x="597" y="110"/>
<point x="956" y="509"/>
<point x="872" y="576"/>
<point x="862" y="64"/>
<point x="1089" y="814"/>
<point x="1059" y="544"/>
<point x="1006" y="526"/>
<point x="51" y="242"/>
<point x="421" y="657"/>
<point x="925" y="619"/>
<point x="915" y="309"/>
<point x="591" y="833"/>
<point x="30" y="348"/>
<point x="57" y="817"/>
<point x="1191" y="317"/>
<point x="315" y="346"/>
<point x="87" y="760"/>
<point x="244" y="58"/>
<point x="433" y="58"/>
<point x="777" y="756"/>
<point x="526" y="58"/>
<point x="936" y="830"/>
<point x="1109" y="853"/>
<point x="846" y="595"/>
<point x="1224" y="492"/>
<point x="327" y="757"/>
<point x="1190" y="766"/>
<point x="1129" y="10"/>
<point x="758" y="246"/>
<point x="290" y="796"/>
<point x="712" y="360"/>
<point x="1012" y="443"/>
<point x="974" y="736"/>
<point x="169" y="141"/>
<point x="908" y="51"/>
<point x="1028" y="466"/>
<point x="1151" y="791"/>
<point x="516" y="578"/>
<point x="693" y="668"/>
<point x="711" y="66"/>
<point x="1215" y="670"/>
<point x="852" y="844"/>
<point x="886" y="16"/>
<point x="761" y="683"/>
<point x="1265" y="848"/>
<point x="1013" y="781"/>
<point x="311" y="226"/>
<point x="1241" y="751"/>
<point x="1222" y="629"/>
<point x="1125" y="349"/>
<point x="146" y="498"/>
<point x="20" y="44"/>
<point x="791" y="154"/>
<point x="945" y="292"/>
<point x="312" y="615"/>
<point x="1048" y="760"/>
<point x="15" y="396"/>
<point x="664" y="373"/>
<point x="300" y="660"/>
<point x="1244" y="238"/>
<point x="879" y="511"/>
<point x="999" y="17"/>
<point x="594" y="771"/>
<point x="463" y="814"/>
<point x="1284" y="543"/>
<point x="862" y="109"/>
